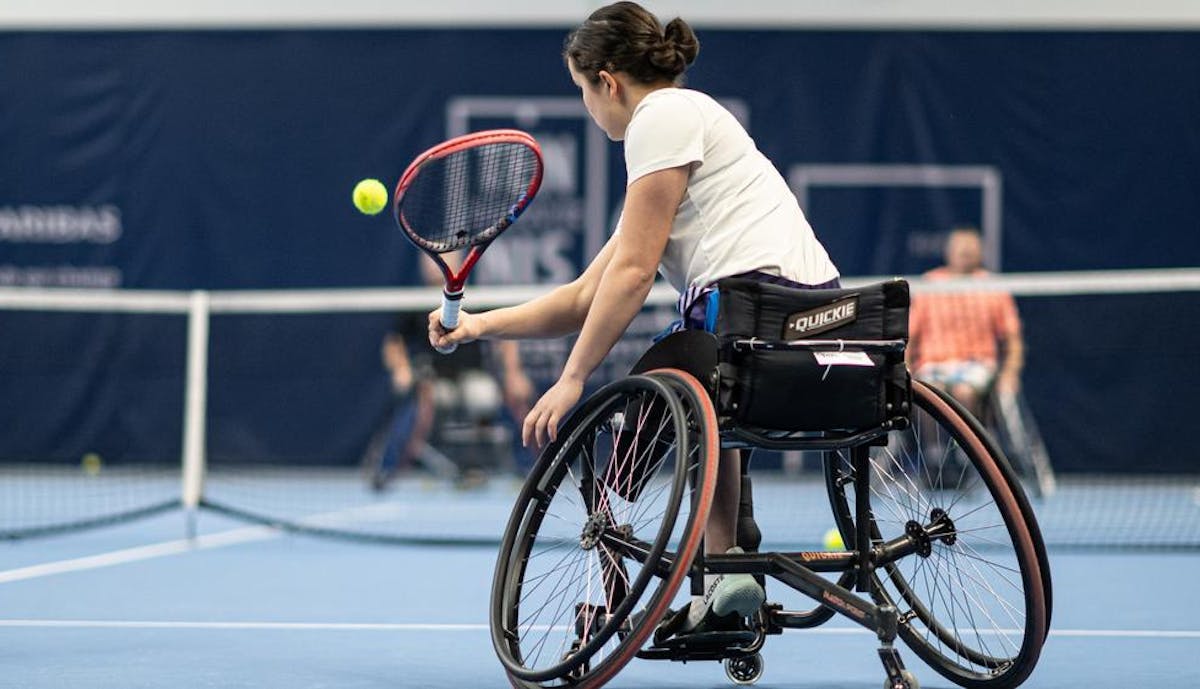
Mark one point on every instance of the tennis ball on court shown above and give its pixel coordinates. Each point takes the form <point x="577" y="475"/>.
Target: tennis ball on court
<point x="833" y="540"/>
<point x="370" y="196"/>
<point x="91" y="464"/>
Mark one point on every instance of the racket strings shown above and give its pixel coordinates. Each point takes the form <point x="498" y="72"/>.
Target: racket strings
<point x="469" y="196"/>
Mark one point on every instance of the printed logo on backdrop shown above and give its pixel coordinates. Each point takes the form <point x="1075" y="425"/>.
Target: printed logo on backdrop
<point x="891" y="219"/>
<point x="565" y="226"/>
<point x="52" y="240"/>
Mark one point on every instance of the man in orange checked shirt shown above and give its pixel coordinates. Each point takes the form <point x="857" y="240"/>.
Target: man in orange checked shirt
<point x="965" y="342"/>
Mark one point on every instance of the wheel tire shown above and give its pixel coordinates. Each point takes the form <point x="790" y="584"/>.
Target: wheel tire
<point x="941" y="466"/>
<point x="586" y="567"/>
<point x="1030" y="518"/>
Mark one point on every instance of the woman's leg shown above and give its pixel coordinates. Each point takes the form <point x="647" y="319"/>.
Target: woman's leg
<point x="720" y="533"/>
<point x="727" y="598"/>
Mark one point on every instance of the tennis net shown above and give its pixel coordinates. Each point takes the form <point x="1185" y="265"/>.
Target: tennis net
<point x="264" y="405"/>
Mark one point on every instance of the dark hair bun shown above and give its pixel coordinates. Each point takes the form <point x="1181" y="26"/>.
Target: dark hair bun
<point x="625" y="37"/>
<point x="678" y="33"/>
<point x="677" y="50"/>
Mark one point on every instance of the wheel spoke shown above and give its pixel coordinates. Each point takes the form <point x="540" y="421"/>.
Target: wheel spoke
<point x="971" y="586"/>
<point x="567" y="585"/>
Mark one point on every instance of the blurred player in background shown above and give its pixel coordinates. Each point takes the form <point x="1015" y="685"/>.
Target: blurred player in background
<point x="427" y="388"/>
<point x="702" y="203"/>
<point x="966" y="342"/>
<point x="404" y="436"/>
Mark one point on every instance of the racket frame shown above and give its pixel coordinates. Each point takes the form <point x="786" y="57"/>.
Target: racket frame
<point x="452" y="292"/>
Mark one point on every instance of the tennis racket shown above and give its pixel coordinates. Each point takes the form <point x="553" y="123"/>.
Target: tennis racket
<point x="463" y="193"/>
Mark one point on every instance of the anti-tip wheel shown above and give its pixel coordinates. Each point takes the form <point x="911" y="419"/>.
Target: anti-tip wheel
<point x="744" y="670"/>
<point x="907" y="681"/>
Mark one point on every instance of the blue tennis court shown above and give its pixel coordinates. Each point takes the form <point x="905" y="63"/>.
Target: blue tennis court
<point x="250" y="606"/>
<point x="228" y="457"/>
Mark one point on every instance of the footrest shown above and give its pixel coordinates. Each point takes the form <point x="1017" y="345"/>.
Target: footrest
<point x="701" y="646"/>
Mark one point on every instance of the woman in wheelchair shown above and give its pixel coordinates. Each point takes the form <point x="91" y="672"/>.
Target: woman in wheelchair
<point x="632" y="493"/>
<point x="702" y="203"/>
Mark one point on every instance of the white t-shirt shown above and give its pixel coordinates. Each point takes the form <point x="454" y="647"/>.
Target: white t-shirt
<point x="738" y="213"/>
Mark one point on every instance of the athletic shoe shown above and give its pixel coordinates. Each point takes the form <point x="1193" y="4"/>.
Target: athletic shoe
<point x="725" y="596"/>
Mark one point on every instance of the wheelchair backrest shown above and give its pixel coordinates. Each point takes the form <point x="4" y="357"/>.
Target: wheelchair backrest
<point x="812" y="360"/>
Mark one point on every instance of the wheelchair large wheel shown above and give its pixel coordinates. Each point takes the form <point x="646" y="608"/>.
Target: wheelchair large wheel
<point x="603" y="533"/>
<point x="1014" y="479"/>
<point x="973" y="599"/>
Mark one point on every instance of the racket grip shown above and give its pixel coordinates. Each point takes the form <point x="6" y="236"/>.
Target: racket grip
<point x="451" y="302"/>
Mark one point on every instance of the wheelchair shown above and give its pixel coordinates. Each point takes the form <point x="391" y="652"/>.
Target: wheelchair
<point x="1008" y="416"/>
<point x="609" y="525"/>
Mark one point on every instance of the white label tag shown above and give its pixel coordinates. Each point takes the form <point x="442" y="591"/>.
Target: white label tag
<point x="843" y="359"/>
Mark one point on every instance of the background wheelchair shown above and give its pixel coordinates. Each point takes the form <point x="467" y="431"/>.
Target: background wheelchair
<point x="1008" y="416"/>
<point x="609" y="524"/>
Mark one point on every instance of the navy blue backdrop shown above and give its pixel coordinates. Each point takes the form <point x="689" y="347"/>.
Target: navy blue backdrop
<point x="225" y="159"/>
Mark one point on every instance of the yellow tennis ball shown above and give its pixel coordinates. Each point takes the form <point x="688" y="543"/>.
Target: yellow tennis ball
<point x="370" y="196"/>
<point x="833" y="540"/>
<point x="91" y="464"/>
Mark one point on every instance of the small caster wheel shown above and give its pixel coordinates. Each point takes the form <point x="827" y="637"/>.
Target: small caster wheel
<point x="744" y="670"/>
<point x="907" y="681"/>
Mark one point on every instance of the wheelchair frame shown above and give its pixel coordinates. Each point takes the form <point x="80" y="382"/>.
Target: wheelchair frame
<point x="866" y="552"/>
<point x="799" y="570"/>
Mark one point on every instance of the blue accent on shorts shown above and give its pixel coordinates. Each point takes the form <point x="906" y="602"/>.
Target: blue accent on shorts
<point x="711" y="309"/>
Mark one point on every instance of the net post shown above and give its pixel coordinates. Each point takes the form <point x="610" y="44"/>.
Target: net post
<point x="195" y="401"/>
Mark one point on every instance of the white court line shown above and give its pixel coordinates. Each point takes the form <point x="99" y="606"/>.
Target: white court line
<point x="426" y="627"/>
<point x="145" y="552"/>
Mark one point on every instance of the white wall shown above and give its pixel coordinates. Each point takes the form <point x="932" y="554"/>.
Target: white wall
<point x="1079" y="14"/>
